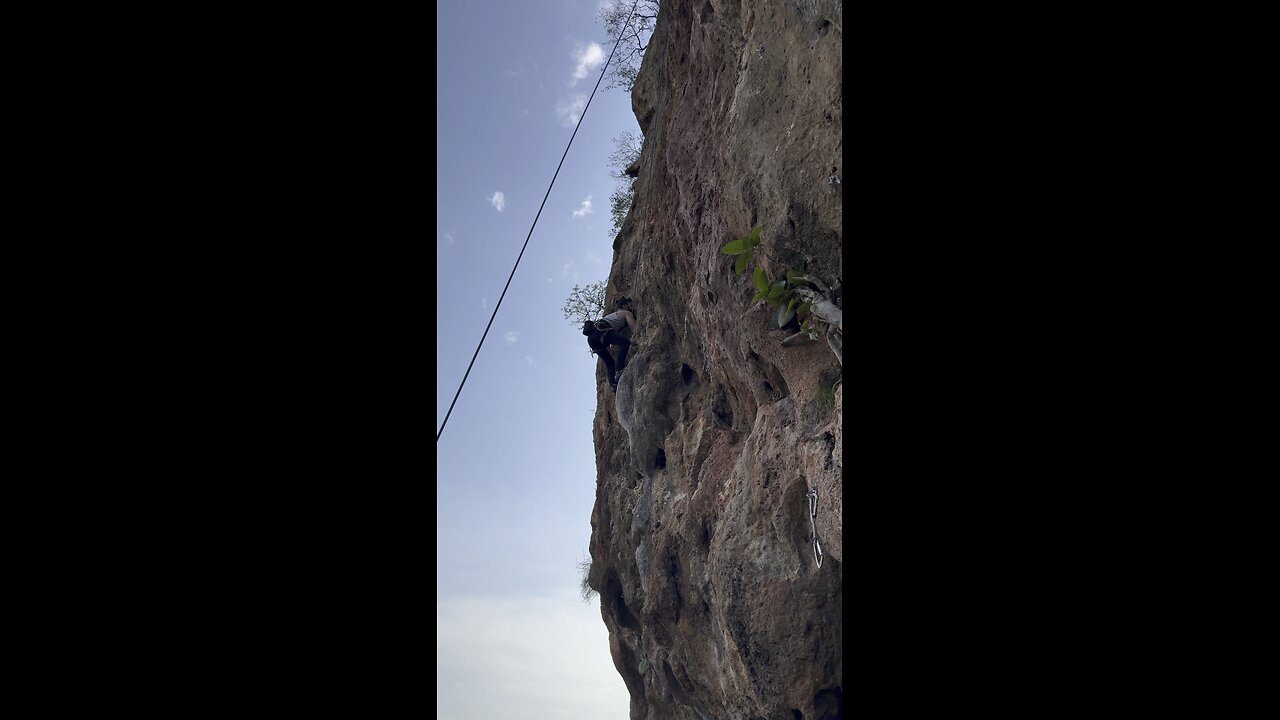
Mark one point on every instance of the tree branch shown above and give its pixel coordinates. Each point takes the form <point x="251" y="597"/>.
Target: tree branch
<point x="821" y="308"/>
<point x="816" y="283"/>
<point x="796" y="339"/>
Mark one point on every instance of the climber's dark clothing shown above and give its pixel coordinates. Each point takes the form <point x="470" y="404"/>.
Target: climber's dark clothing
<point x="600" y="343"/>
<point x="619" y="324"/>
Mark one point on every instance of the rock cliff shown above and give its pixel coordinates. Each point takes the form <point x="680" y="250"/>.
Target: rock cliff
<point x="701" y="532"/>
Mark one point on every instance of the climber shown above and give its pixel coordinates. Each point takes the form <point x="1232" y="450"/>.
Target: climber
<point x="614" y="329"/>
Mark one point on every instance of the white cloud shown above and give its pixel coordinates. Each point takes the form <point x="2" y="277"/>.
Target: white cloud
<point x="484" y="303"/>
<point x="570" y="271"/>
<point x="528" y="359"/>
<point x="588" y="58"/>
<point x="550" y="280"/>
<point x="591" y="257"/>
<point x="499" y="200"/>
<point x="531" y="657"/>
<point x="519" y="68"/>
<point x="570" y="111"/>
<point x="448" y="239"/>
<point x="513" y="337"/>
<point x="585" y="209"/>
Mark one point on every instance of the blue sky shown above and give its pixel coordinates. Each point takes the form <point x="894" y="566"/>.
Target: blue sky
<point x="516" y="464"/>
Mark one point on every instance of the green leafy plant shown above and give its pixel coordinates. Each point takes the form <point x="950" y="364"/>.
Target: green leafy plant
<point x="632" y="37"/>
<point x="743" y="247"/>
<point x="619" y="205"/>
<point x="626" y="151"/>
<point x="779" y="293"/>
<point x="584" y="303"/>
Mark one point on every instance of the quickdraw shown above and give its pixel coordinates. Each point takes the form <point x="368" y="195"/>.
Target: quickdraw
<point x="813" y="513"/>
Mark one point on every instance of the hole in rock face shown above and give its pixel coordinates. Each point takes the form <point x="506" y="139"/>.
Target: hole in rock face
<point x="770" y="377"/>
<point x="708" y="14"/>
<point x="686" y="373"/>
<point x="612" y="593"/>
<point x="827" y="704"/>
<point x="623" y="613"/>
<point x="661" y="460"/>
<point x="721" y="408"/>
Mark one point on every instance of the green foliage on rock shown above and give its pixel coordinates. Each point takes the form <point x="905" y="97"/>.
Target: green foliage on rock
<point x="620" y="205"/>
<point x="826" y="390"/>
<point x="626" y="150"/>
<point x="743" y="247"/>
<point x="780" y="293"/>
<point x="585" y="303"/>
<point x="631" y="31"/>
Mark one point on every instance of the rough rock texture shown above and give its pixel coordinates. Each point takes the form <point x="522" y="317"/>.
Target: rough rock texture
<point x="700" y="545"/>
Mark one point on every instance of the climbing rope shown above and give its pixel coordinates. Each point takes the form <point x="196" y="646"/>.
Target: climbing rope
<point x="535" y="221"/>
<point x="813" y="513"/>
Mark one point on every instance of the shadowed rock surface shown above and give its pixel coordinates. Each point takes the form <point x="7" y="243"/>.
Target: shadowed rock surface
<point x="701" y="542"/>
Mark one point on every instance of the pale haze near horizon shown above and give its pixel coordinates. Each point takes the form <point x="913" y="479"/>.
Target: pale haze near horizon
<point x="516" y="463"/>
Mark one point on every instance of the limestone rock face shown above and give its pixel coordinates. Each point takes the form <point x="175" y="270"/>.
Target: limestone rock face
<point x="701" y="532"/>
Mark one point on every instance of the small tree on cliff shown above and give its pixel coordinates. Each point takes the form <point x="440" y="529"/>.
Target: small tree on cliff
<point x="626" y="151"/>
<point x="635" y="38"/>
<point x="796" y="297"/>
<point x="584" y="587"/>
<point x="626" y="148"/>
<point x="585" y="303"/>
<point x="620" y="205"/>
